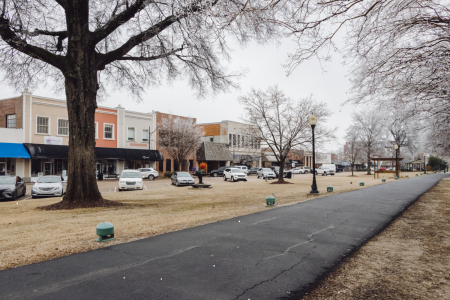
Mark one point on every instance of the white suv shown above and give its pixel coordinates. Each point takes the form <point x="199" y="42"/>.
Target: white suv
<point x="234" y="174"/>
<point x="130" y="180"/>
<point x="243" y="168"/>
<point x="149" y="173"/>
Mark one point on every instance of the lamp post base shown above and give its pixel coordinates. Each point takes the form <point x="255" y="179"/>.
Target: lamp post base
<point x="314" y="191"/>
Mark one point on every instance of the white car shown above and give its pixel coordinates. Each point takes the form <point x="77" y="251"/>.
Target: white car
<point x="149" y="173"/>
<point x="47" y="186"/>
<point x="300" y="170"/>
<point x="243" y="168"/>
<point x="182" y="178"/>
<point x="234" y="174"/>
<point x="130" y="180"/>
<point x="325" y="171"/>
<point x="266" y="172"/>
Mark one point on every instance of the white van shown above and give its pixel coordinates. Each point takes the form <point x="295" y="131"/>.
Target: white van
<point x="243" y="168"/>
<point x="330" y="166"/>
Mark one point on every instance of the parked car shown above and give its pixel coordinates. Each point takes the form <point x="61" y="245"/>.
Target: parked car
<point x="339" y="169"/>
<point x="276" y="169"/>
<point x="300" y="170"/>
<point x="182" y="178"/>
<point x="324" y="171"/>
<point x="266" y="172"/>
<point x="234" y="174"/>
<point x="243" y="168"/>
<point x="48" y="185"/>
<point x="12" y="187"/>
<point x="253" y="171"/>
<point x="149" y="173"/>
<point x="218" y="172"/>
<point x="130" y="180"/>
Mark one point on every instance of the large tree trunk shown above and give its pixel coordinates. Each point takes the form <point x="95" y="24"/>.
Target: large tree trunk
<point x="368" y="165"/>
<point x="280" y="175"/>
<point x="81" y="85"/>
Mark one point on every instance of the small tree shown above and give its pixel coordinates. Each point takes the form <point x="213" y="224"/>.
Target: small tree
<point x="369" y="125"/>
<point x="282" y="123"/>
<point x="179" y="137"/>
<point x="352" y="148"/>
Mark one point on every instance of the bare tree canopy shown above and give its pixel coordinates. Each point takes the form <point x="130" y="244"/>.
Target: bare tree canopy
<point x="83" y="45"/>
<point x="282" y="123"/>
<point x="353" y="146"/>
<point x="179" y="137"/>
<point x="398" y="51"/>
<point x="369" y="125"/>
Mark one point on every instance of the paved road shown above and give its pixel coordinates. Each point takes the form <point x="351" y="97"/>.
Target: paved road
<point x="267" y="255"/>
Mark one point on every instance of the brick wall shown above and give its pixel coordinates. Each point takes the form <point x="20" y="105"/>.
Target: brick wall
<point x="211" y="129"/>
<point x="10" y="107"/>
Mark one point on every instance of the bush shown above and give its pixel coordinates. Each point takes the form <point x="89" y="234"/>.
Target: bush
<point x="168" y="174"/>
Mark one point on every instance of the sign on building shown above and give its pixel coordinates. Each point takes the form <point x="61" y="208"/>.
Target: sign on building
<point x="53" y="140"/>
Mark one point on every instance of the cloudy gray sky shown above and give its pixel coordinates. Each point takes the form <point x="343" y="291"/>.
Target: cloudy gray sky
<point x="264" y="68"/>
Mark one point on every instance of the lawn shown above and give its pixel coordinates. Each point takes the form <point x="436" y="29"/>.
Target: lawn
<point x="29" y="235"/>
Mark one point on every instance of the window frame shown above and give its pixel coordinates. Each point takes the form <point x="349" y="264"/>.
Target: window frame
<point x="112" y="131"/>
<point x="57" y="126"/>
<point x="128" y="134"/>
<point x="48" y="125"/>
<point x="96" y="130"/>
<point x="148" y="135"/>
<point x="15" y="123"/>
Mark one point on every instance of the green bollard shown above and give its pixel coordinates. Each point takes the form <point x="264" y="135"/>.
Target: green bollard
<point x="270" y="201"/>
<point x="329" y="189"/>
<point x="383" y="180"/>
<point x="105" y="232"/>
<point x="361" y="183"/>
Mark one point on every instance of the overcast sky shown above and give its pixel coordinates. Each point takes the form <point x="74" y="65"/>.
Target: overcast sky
<point x="264" y="68"/>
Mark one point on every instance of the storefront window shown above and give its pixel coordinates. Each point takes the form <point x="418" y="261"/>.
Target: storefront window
<point x="129" y="164"/>
<point x="35" y="167"/>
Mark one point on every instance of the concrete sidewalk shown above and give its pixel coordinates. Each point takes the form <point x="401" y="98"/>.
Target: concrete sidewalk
<point x="266" y="255"/>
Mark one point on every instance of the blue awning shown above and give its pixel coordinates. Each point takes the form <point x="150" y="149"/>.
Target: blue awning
<point x="12" y="150"/>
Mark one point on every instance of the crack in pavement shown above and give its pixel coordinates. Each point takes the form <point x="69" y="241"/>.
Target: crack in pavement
<point x="267" y="280"/>
<point x="82" y="278"/>
<point x="263" y="221"/>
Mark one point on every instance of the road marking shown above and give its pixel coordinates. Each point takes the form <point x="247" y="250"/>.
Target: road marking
<point x="145" y="187"/>
<point x="170" y="185"/>
<point x="27" y="198"/>
<point x="115" y="189"/>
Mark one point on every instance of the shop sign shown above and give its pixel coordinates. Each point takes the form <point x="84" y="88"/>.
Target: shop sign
<point x="53" y="140"/>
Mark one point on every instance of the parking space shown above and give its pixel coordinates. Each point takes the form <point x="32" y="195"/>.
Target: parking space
<point x="111" y="186"/>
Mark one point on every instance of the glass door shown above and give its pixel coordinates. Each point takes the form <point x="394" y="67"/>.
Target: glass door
<point x="2" y="168"/>
<point x="48" y="168"/>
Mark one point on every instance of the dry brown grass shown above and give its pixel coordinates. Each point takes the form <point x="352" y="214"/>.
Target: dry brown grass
<point x="29" y="235"/>
<point x="408" y="260"/>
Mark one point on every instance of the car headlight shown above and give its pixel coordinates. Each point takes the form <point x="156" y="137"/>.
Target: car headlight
<point x="12" y="189"/>
<point x="122" y="182"/>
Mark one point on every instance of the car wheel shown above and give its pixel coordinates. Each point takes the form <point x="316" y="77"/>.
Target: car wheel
<point x="24" y="192"/>
<point x="177" y="184"/>
<point x="151" y="177"/>
<point x="245" y="179"/>
<point x="232" y="178"/>
<point x="224" y="178"/>
<point x="33" y="197"/>
<point x="215" y="174"/>
<point x="120" y="190"/>
<point x="15" y="196"/>
<point x="326" y="174"/>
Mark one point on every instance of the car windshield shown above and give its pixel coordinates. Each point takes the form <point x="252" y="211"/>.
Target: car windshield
<point x="6" y="180"/>
<point x="131" y="175"/>
<point x="236" y="170"/>
<point x="267" y="170"/>
<point x="183" y="174"/>
<point x="52" y="179"/>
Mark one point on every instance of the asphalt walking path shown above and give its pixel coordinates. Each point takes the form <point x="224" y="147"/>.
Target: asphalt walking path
<point x="266" y="255"/>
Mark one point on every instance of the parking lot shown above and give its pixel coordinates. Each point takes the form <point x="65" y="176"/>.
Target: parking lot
<point x="111" y="186"/>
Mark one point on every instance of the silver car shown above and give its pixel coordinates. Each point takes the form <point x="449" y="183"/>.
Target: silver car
<point x="266" y="172"/>
<point x="149" y="173"/>
<point x="182" y="178"/>
<point x="47" y="186"/>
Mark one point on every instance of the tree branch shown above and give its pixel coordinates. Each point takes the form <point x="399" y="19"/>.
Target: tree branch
<point x="21" y="45"/>
<point x="63" y="3"/>
<point x="118" y="20"/>
<point x="150" y="58"/>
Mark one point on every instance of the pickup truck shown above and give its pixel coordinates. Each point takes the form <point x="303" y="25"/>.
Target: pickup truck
<point x="324" y="171"/>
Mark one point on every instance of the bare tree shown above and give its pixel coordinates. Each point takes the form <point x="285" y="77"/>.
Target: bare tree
<point x="84" y="45"/>
<point x="180" y="137"/>
<point x="282" y="124"/>
<point x="352" y="147"/>
<point x="369" y="125"/>
<point x="403" y="130"/>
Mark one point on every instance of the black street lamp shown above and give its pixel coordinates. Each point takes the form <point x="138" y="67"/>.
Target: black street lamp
<point x="313" y="122"/>
<point x="396" y="160"/>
